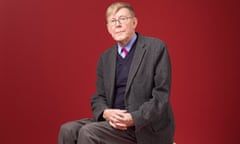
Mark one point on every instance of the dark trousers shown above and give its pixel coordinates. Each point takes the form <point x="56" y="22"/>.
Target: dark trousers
<point x="86" y="131"/>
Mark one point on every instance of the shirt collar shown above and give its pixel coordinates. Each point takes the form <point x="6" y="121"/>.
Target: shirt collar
<point x="129" y="45"/>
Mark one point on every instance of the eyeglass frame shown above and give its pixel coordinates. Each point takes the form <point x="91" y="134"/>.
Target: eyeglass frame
<point x="113" y="22"/>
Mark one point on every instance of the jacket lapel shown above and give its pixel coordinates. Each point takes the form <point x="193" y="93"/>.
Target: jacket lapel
<point x="137" y="59"/>
<point x="112" y="72"/>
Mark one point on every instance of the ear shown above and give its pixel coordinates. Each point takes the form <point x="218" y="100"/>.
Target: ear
<point x="135" y="22"/>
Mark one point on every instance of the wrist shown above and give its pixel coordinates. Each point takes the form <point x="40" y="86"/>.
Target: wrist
<point x="130" y="121"/>
<point x="104" y="114"/>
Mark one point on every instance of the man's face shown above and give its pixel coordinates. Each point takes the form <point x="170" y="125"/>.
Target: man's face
<point x="121" y="26"/>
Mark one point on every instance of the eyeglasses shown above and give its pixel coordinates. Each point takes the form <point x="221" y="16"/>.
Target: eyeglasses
<point x="120" y="20"/>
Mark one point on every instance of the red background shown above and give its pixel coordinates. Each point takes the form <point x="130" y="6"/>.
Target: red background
<point x="49" y="50"/>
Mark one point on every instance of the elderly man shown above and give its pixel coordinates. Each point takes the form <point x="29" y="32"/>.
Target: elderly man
<point x="131" y="104"/>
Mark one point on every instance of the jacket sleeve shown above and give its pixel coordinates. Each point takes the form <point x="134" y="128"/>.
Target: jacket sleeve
<point x="98" y="100"/>
<point x="153" y="109"/>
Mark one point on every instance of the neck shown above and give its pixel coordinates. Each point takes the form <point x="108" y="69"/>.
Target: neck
<point x="124" y="42"/>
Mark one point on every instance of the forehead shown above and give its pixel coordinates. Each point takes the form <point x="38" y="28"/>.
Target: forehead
<point x="120" y="12"/>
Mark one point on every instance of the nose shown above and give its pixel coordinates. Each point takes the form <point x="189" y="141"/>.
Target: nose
<point x="118" y="23"/>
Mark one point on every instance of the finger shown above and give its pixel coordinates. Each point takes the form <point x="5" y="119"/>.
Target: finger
<point x="114" y="120"/>
<point x="112" y="124"/>
<point x="118" y="116"/>
<point x="122" y="111"/>
<point x="124" y="118"/>
<point x="118" y="126"/>
<point x="121" y="126"/>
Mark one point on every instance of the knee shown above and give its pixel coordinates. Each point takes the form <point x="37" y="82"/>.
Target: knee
<point x="85" y="131"/>
<point x="88" y="131"/>
<point x="65" y="131"/>
<point x="64" y="128"/>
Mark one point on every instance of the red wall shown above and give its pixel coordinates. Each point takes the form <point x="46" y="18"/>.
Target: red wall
<point x="49" y="50"/>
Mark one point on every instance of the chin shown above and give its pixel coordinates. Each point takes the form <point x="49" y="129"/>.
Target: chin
<point x="120" y="38"/>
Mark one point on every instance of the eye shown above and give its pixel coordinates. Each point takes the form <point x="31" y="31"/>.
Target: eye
<point x="113" y="21"/>
<point x="122" y="18"/>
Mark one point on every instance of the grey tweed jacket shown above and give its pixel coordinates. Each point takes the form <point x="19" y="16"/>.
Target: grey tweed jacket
<point x="147" y="92"/>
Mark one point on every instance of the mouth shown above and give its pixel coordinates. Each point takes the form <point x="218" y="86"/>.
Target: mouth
<point x="118" y="32"/>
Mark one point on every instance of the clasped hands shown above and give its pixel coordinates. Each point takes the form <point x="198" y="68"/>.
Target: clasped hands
<point x="118" y="119"/>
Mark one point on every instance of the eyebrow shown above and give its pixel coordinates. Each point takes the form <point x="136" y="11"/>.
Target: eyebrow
<point x="121" y="16"/>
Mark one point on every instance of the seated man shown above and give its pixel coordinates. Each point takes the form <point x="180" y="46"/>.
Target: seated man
<point x="131" y="104"/>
